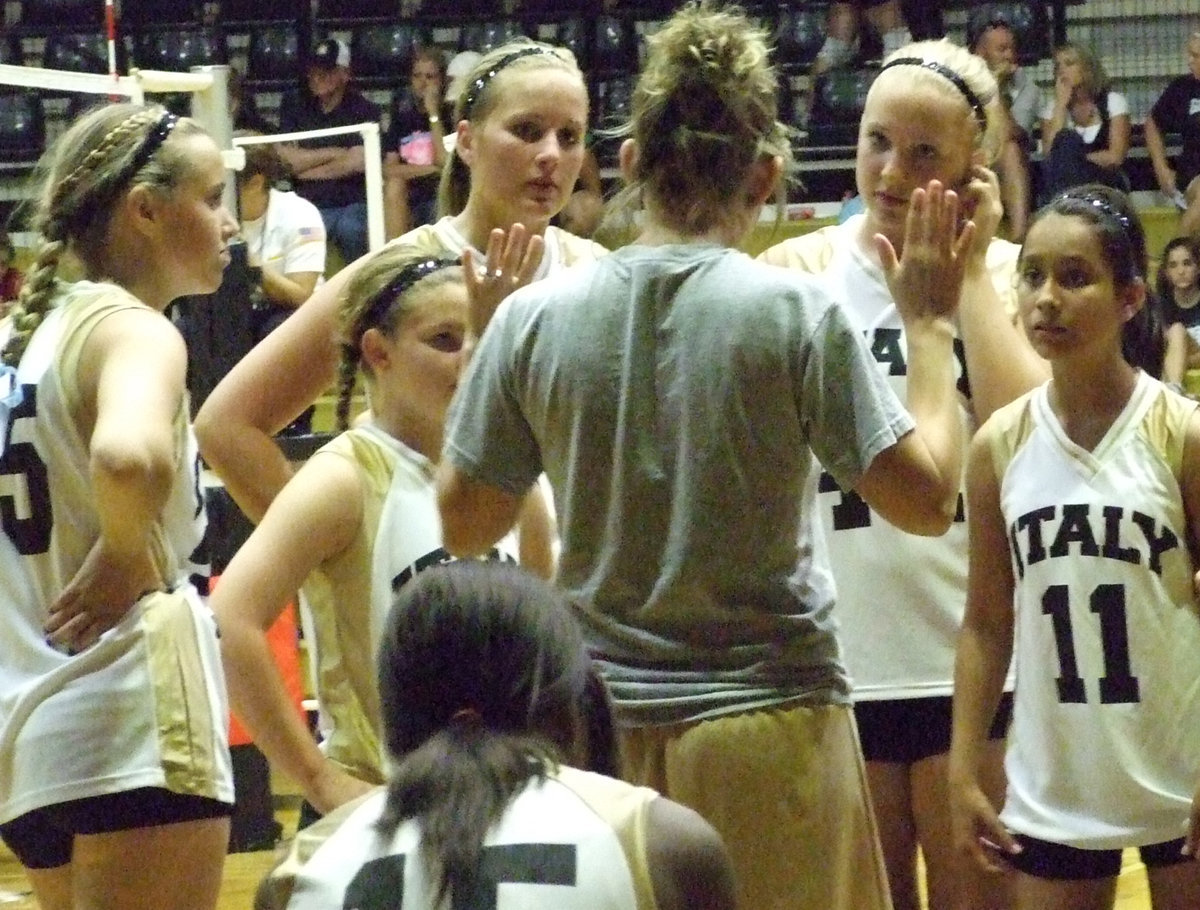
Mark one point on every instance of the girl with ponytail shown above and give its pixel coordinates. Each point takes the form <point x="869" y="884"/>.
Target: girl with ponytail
<point x="112" y="703"/>
<point x="357" y="521"/>
<point x="491" y="712"/>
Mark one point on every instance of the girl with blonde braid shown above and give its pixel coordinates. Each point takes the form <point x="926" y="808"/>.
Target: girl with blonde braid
<point x="112" y="705"/>
<point x="357" y="521"/>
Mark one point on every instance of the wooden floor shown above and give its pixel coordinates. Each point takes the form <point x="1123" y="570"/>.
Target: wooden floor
<point x="244" y="870"/>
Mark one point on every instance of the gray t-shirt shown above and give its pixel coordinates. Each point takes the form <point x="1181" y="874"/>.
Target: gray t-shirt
<point x="674" y="396"/>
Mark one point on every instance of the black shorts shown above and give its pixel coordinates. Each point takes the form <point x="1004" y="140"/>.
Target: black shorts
<point x="907" y="730"/>
<point x="1042" y="859"/>
<point x="43" y="838"/>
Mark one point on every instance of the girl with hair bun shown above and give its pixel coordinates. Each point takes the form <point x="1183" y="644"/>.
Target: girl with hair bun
<point x="357" y="521"/>
<point x="496" y="725"/>
<point x="519" y="126"/>
<point x="112" y="702"/>
<point x="1084" y="513"/>
<point x="675" y="393"/>
<point x="933" y="113"/>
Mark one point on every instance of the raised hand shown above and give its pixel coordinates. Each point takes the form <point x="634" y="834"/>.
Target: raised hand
<point x="926" y="280"/>
<point x="513" y="257"/>
<point x="981" y="203"/>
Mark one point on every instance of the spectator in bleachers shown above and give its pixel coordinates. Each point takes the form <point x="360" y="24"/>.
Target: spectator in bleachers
<point x="284" y="235"/>
<point x="1178" y="287"/>
<point x="10" y="276"/>
<point x="329" y="170"/>
<point x="893" y="22"/>
<point x="990" y="35"/>
<point x="243" y="109"/>
<point x="414" y="147"/>
<point x="1178" y="111"/>
<point x="1085" y="124"/>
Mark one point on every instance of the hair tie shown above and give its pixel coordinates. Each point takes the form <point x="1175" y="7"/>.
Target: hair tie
<point x="401" y="284"/>
<point x="954" y="78"/>
<point x="480" y="83"/>
<point x="466" y="716"/>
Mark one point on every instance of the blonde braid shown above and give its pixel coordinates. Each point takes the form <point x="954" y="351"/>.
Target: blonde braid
<point x="347" y="374"/>
<point x="66" y="208"/>
<point x="34" y="301"/>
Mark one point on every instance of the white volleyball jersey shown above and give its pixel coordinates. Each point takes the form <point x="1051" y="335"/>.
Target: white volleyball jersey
<point x="1104" y="747"/>
<point x="576" y="841"/>
<point x="145" y="705"/>
<point x="900" y="596"/>
<point x="347" y="598"/>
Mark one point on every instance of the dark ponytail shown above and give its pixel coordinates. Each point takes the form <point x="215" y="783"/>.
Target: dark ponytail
<point x="482" y="679"/>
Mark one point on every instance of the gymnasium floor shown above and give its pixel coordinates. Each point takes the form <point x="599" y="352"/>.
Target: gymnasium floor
<point x="244" y="870"/>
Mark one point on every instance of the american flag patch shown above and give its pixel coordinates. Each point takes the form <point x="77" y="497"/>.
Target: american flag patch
<point x="311" y="233"/>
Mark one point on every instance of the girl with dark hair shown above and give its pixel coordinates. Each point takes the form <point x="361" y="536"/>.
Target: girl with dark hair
<point x="284" y="235"/>
<point x="1178" y="288"/>
<point x="486" y="691"/>
<point x="1084" y="513"/>
<point x="112" y="702"/>
<point x="353" y="525"/>
<point x="414" y="145"/>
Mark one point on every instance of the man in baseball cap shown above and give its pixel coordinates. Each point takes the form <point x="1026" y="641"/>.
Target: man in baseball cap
<point x="329" y="170"/>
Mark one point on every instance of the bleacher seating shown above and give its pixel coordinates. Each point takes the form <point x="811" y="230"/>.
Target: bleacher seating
<point x="177" y="50"/>
<point x="22" y="129"/>
<point x="273" y="55"/>
<point x="484" y="35"/>
<point x="839" y="96"/>
<point x="353" y="12"/>
<point x="137" y="14"/>
<point x="78" y="52"/>
<point x="56" y="15"/>
<point x="799" y="34"/>
<point x="382" y="52"/>
<point x="234" y="12"/>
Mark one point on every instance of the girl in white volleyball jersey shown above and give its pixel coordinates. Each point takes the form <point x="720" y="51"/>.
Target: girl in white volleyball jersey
<point x="520" y="123"/>
<point x="933" y="112"/>
<point x="1084" y="513"/>
<point x="115" y="772"/>
<point x="358" y="520"/>
<point x="485" y="688"/>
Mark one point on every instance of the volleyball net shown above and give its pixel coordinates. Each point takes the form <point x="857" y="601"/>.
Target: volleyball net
<point x="208" y="87"/>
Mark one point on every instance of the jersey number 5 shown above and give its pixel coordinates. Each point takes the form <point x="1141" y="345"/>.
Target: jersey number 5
<point x="25" y="512"/>
<point x="1118" y="685"/>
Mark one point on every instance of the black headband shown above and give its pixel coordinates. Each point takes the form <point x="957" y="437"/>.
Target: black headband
<point x="1103" y="207"/>
<point x="481" y="82"/>
<point x="954" y="78"/>
<point x="401" y="284"/>
<point x="153" y="142"/>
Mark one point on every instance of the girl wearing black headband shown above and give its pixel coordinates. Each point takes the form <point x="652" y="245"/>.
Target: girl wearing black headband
<point x="112" y="714"/>
<point x="519" y="126"/>
<point x="933" y="113"/>
<point x="1084" y="512"/>
<point x="354" y="523"/>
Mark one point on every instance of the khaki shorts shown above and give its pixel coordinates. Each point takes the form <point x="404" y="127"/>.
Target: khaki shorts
<point x="786" y="789"/>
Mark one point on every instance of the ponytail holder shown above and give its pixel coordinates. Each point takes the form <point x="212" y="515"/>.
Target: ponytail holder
<point x="466" y="716"/>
